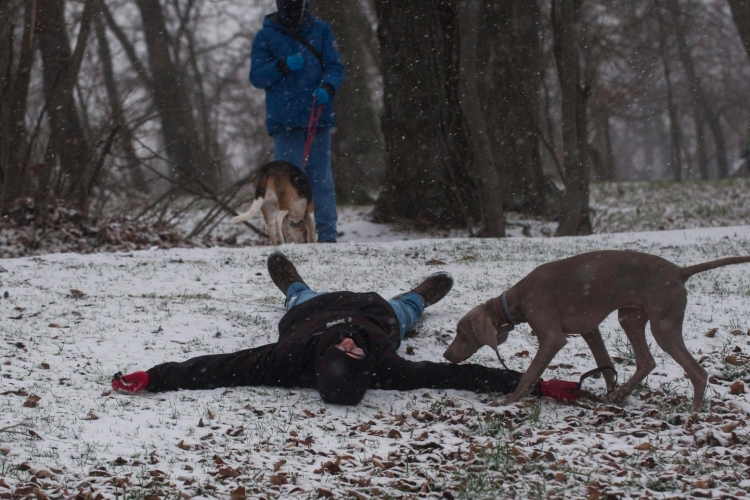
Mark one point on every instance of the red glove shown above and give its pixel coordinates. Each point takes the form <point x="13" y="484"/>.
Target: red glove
<point x="132" y="382"/>
<point x="561" y="390"/>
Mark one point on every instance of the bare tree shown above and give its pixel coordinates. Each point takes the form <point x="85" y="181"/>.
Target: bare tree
<point x="118" y="116"/>
<point x="699" y="94"/>
<point x="675" y="134"/>
<point x="490" y="189"/>
<point x="357" y="149"/>
<point x="741" y="15"/>
<point x="181" y="140"/>
<point x="14" y="90"/>
<point x="510" y="83"/>
<point x="574" y="218"/>
<point x="67" y="143"/>
<point x="427" y="178"/>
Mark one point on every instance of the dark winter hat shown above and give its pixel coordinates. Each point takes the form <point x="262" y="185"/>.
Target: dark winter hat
<point x="342" y="379"/>
<point x="293" y="12"/>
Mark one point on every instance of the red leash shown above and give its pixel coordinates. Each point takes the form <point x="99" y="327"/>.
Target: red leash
<point x="312" y="127"/>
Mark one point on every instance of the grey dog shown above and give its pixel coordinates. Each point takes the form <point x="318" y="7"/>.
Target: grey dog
<point x="574" y="295"/>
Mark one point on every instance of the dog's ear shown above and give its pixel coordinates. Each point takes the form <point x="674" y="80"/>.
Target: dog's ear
<point x="473" y="331"/>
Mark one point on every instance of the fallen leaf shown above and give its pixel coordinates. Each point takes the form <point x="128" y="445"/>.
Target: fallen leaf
<point x="77" y="294"/>
<point x="332" y="467"/>
<point x="394" y="434"/>
<point x="711" y="333"/>
<point x="239" y="493"/>
<point x="227" y="472"/>
<point x="279" y="479"/>
<point x="91" y="416"/>
<point x="737" y="388"/>
<point x="45" y="366"/>
<point x="522" y="354"/>
<point x="434" y="262"/>
<point x="733" y="360"/>
<point x="54" y="325"/>
<point x="278" y="465"/>
<point x="519" y="455"/>
<point x="645" y="446"/>
<point x="42" y="473"/>
<point x="32" y="401"/>
<point x="410" y="350"/>
<point x="737" y="332"/>
<point x="730" y="427"/>
<point x="552" y="367"/>
<point x="200" y="423"/>
<point x="211" y="416"/>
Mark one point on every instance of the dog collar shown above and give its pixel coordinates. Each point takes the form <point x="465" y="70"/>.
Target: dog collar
<point x="500" y="305"/>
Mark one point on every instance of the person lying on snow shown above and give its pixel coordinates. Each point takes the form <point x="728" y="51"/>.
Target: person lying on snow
<point x="340" y="343"/>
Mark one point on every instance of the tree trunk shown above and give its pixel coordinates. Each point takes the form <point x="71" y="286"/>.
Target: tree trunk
<point x="493" y="216"/>
<point x="700" y="142"/>
<point x="675" y="135"/>
<point x="699" y="93"/>
<point x="357" y="149"/>
<point x="134" y="171"/>
<point x="509" y="35"/>
<point x="574" y="219"/>
<point x="426" y="178"/>
<point x="741" y="15"/>
<point x="67" y="141"/>
<point x="181" y="140"/>
<point x="17" y="181"/>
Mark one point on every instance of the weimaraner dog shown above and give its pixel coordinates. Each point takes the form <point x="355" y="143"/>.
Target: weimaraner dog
<point x="574" y="295"/>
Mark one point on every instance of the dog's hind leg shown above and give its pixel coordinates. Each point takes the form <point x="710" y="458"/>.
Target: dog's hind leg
<point x="667" y="330"/>
<point x="601" y="356"/>
<point x="312" y="236"/>
<point x="270" y="212"/>
<point x="633" y="321"/>
<point x="280" y="225"/>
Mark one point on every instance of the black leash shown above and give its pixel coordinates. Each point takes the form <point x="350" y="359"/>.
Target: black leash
<point x="590" y="395"/>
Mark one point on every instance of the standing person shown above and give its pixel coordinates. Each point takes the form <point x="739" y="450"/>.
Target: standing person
<point x="296" y="61"/>
<point x="340" y="343"/>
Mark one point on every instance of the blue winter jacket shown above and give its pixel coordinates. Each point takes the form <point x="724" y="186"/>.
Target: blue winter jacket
<point x="289" y="96"/>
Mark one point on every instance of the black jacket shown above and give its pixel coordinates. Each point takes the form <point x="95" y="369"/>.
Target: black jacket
<point x="290" y="361"/>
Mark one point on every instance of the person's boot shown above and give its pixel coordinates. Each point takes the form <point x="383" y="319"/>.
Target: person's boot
<point x="434" y="288"/>
<point x="282" y="271"/>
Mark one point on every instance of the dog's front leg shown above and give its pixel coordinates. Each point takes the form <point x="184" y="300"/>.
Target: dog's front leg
<point x="549" y="344"/>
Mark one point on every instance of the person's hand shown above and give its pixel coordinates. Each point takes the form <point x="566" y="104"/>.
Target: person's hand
<point x="295" y="62"/>
<point x="321" y="95"/>
<point x="561" y="390"/>
<point x="132" y="382"/>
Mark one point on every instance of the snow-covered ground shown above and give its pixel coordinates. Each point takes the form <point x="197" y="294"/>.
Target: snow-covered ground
<point x="68" y="322"/>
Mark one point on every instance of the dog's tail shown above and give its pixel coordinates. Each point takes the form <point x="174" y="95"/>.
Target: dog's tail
<point x="706" y="266"/>
<point x="249" y="214"/>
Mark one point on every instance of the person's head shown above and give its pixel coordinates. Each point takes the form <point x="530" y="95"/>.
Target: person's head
<point x="343" y="367"/>
<point x="293" y="12"/>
